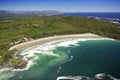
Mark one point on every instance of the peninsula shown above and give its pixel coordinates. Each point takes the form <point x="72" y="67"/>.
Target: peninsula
<point x="19" y="32"/>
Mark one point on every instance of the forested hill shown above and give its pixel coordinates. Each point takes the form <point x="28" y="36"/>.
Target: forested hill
<point x="14" y="30"/>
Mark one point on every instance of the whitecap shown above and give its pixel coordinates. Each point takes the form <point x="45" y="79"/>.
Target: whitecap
<point x="47" y="49"/>
<point x="100" y="76"/>
<point x="73" y="78"/>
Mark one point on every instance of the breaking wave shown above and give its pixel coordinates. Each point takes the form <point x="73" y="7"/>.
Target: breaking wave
<point x="100" y="76"/>
<point x="31" y="54"/>
<point x="5" y="74"/>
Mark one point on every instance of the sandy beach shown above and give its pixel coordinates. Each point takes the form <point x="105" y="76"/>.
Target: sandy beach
<point x="48" y="39"/>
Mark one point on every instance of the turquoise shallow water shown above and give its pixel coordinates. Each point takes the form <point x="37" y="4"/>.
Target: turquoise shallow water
<point x="86" y="58"/>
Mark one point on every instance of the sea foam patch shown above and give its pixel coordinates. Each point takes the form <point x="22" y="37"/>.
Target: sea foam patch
<point x="45" y="49"/>
<point x="6" y="74"/>
<point x="100" y="76"/>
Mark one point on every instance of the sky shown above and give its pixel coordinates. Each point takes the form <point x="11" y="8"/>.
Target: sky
<point x="61" y="5"/>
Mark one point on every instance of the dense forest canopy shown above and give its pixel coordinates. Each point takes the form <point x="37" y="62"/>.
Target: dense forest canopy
<point x="14" y="28"/>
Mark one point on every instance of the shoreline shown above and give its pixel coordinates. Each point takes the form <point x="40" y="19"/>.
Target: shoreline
<point x="41" y="41"/>
<point x="26" y="63"/>
<point x="48" y="39"/>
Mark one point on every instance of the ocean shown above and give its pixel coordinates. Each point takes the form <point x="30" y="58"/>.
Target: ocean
<point x="95" y="14"/>
<point x="113" y="17"/>
<point x="71" y="59"/>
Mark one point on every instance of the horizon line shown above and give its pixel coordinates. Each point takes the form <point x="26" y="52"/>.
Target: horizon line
<point x="65" y="11"/>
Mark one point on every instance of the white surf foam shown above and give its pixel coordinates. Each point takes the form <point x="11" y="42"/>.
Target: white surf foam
<point x="100" y="76"/>
<point x="104" y="75"/>
<point x="4" y="69"/>
<point x="26" y="68"/>
<point x="73" y="78"/>
<point x="47" y="48"/>
<point x="6" y="75"/>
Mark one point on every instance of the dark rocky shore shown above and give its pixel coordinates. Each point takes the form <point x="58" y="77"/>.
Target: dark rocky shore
<point x="14" y="66"/>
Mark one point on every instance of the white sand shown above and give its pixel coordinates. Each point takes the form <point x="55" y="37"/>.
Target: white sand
<point x="48" y="39"/>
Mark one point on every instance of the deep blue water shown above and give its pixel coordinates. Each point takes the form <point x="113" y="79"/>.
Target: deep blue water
<point x="97" y="14"/>
<point x="113" y="17"/>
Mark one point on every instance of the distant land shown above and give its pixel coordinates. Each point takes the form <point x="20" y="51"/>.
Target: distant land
<point x="21" y="26"/>
<point x="59" y="39"/>
<point x="13" y="13"/>
<point x="113" y="17"/>
<point x="17" y="27"/>
<point x="54" y="12"/>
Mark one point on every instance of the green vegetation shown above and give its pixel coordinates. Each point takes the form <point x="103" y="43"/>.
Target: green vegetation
<point x="14" y="28"/>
